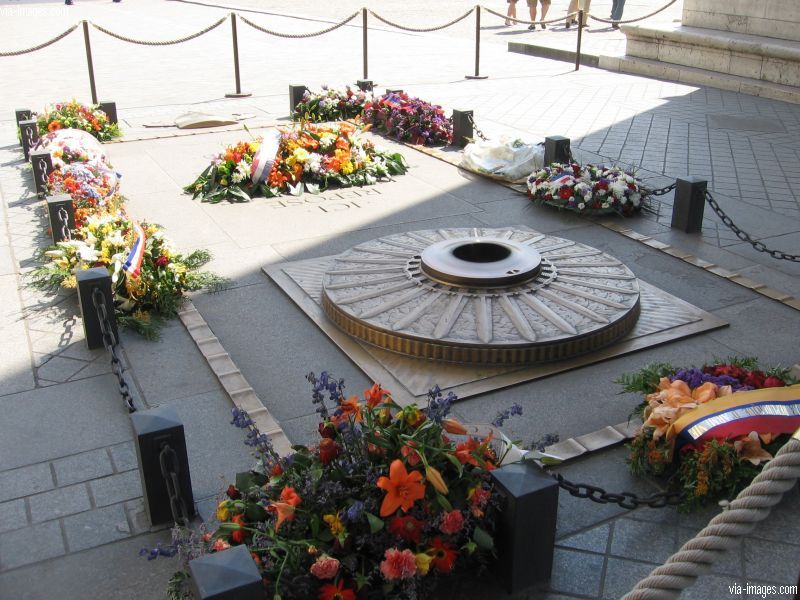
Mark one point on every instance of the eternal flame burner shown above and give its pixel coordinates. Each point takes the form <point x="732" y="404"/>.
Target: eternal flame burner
<point x="489" y="296"/>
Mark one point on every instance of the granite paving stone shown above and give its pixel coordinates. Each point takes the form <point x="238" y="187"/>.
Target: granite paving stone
<point x="96" y="527"/>
<point x="593" y="540"/>
<point x="760" y="563"/>
<point x="576" y="572"/>
<point x="59" y="503"/>
<point x="13" y="515"/>
<point x="124" y="457"/>
<point x="16" y="548"/>
<point x="82" y="467"/>
<point x="116" y="488"/>
<point x="17" y="483"/>
<point x="642" y="540"/>
<point x="621" y="575"/>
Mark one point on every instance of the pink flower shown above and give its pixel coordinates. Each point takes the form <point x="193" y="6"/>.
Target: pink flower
<point x="219" y="545"/>
<point x="452" y="522"/>
<point x="398" y="564"/>
<point x="326" y="567"/>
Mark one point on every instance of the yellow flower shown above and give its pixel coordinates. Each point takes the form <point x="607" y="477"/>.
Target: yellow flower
<point x="423" y="562"/>
<point x="70" y="282"/>
<point x="301" y="155"/>
<point x="347" y="167"/>
<point x="334" y="523"/>
<point x="223" y="511"/>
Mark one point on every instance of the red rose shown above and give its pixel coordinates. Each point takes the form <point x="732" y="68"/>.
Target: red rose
<point x="327" y="430"/>
<point x="328" y="450"/>
<point x="773" y="381"/>
<point x="565" y="193"/>
<point x="240" y="535"/>
<point x="162" y="261"/>
<point x="276" y="470"/>
<point x="755" y="379"/>
<point x="233" y="493"/>
<point x="452" y="522"/>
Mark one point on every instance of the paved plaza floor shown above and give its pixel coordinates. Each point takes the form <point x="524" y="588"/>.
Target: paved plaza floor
<point x="71" y="514"/>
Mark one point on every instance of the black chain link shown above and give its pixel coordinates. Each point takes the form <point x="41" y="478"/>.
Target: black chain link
<point x="64" y="218"/>
<point x="624" y="500"/>
<point x="478" y="132"/>
<point x="43" y="174"/>
<point x="663" y="190"/>
<point x="170" y="474"/>
<point x="744" y="236"/>
<point x="110" y="342"/>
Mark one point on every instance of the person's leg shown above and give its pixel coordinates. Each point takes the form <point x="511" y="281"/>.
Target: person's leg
<point x="573" y="6"/>
<point x="616" y="10"/>
<point x="586" y="5"/>
<point x="512" y="11"/>
<point x="532" y="13"/>
<point x="545" y="8"/>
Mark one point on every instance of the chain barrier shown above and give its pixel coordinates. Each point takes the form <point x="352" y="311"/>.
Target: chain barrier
<point x="425" y="29"/>
<point x="170" y="474"/>
<point x="40" y="46"/>
<point x="164" y="43"/>
<point x="655" y="12"/>
<point x="624" y="500"/>
<point x="110" y="342"/>
<point x="744" y="236"/>
<point x="43" y="175"/>
<point x="478" y="132"/>
<point x="298" y="35"/>
<point x="571" y="15"/>
<point x="64" y="218"/>
<point x="663" y="190"/>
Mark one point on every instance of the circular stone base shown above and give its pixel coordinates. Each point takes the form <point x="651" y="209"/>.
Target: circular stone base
<point x="489" y="296"/>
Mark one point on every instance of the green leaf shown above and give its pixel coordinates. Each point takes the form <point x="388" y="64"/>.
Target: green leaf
<point x="469" y="547"/>
<point x="254" y="513"/>
<point x="375" y="523"/>
<point x="314" y="524"/>
<point x="443" y="502"/>
<point x="483" y="539"/>
<point x="316" y="473"/>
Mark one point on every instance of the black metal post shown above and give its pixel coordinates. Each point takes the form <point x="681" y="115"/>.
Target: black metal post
<point x="556" y="150"/>
<point x="22" y="114"/>
<point x="110" y="108"/>
<point x="228" y="575"/>
<point x="580" y="34"/>
<point x="295" y="96"/>
<point x="89" y="62"/>
<point x="526" y="527"/>
<point x="61" y="212"/>
<point x="690" y="201"/>
<point x="29" y="135"/>
<point x="462" y="127"/>
<point x="477" y="46"/>
<point x="42" y="165"/>
<point x="238" y="93"/>
<point x="388" y="91"/>
<point x="155" y="430"/>
<point x="365" y="85"/>
<point x="88" y="281"/>
<point x="364" y="39"/>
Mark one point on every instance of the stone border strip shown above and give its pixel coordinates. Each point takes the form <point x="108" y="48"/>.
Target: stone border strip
<point x="230" y="377"/>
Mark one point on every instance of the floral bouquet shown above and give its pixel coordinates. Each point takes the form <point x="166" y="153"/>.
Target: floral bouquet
<point x="382" y="506"/>
<point x="92" y="187"/>
<point x="696" y="432"/>
<point x="145" y="288"/>
<point x="228" y="177"/>
<point x="68" y="146"/>
<point x="409" y="119"/>
<point x="588" y="189"/>
<point x="330" y="105"/>
<point x="320" y="155"/>
<point x="74" y="115"/>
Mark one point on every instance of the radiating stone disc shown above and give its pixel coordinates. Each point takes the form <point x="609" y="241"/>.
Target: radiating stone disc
<point x="481" y="296"/>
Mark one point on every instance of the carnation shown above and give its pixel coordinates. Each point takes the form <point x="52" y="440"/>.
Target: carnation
<point x="452" y="522"/>
<point x="399" y="564"/>
<point x="325" y="567"/>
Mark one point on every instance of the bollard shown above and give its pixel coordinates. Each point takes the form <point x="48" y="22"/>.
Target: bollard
<point x="526" y="527"/>
<point x="580" y="34"/>
<point x="365" y="85"/>
<point x="690" y="200"/>
<point x="61" y="212"/>
<point x="556" y="150"/>
<point x="296" y="96"/>
<point x="22" y="114"/>
<point x="42" y="165"/>
<point x="89" y="62"/>
<point x="88" y="281"/>
<point x="160" y="430"/>
<point x="388" y="91"/>
<point x="462" y="127"/>
<point x="29" y="135"/>
<point x="477" y="74"/>
<point x="228" y="575"/>
<point x="110" y="108"/>
<point x="237" y="78"/>
<point x="364" y="45"/>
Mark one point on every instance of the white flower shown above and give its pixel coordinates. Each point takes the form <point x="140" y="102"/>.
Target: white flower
<point x="605" y="204"/>
<point x="581" y="206"/>
<point x="242" y="172"/>
<point x="88" y="254"/>
<point x="618" y="189"/>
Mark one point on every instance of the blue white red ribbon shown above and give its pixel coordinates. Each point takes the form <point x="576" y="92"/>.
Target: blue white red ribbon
<point x="133" y="264"/>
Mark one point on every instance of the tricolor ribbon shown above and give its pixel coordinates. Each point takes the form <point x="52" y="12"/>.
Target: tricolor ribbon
<point x="768" y="410"/>
<point x="133" y="264"/>
<point x="265" y="157"/>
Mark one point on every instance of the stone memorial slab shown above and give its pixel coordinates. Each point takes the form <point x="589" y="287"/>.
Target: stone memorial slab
<point x="662" y="318"/>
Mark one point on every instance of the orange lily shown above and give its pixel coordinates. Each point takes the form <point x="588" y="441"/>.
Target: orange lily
<point x="749" y="448"/>
<point x="674" y="399"/>
<point x="402" y="488"/>
<point x="436" y="480"/>
<point x="285" y="508"/>
<point x="454" y="427"/>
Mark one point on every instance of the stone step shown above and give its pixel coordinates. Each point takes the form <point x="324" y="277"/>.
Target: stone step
<point x="695" y="76"/>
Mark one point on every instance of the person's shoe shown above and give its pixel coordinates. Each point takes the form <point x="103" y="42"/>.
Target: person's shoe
<point x="567" y="24"/>
<point x="615" y="26"/>
<point x="68" y="2"/>
<point x="531" y="27"/>
<point x="508" y="23"/>
<point x="544" y="26"/>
